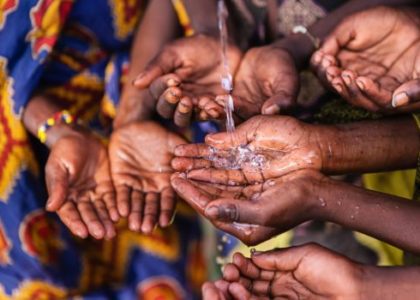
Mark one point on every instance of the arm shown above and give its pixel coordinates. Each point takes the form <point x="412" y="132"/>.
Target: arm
<point x="158" y="27"/>
<point x="388" y="218"/>
<point x="301" y="48"/>
<point x="370" y="146"/>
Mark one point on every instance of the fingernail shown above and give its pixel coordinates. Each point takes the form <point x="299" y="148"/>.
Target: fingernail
<point x="347" y="79"/>
<point x="400" y="99"/>
<point x="172" y="82"/>
<point x="212" y="212"/>
<point x="272" y="110"/>
<point x="80" y="233"/>
<point x="256" y="253"/>
<point x="360" y="84"/>
<point x="140" y="76"/>
<point x="317" y="57"/>
<point x="338" y="88"/>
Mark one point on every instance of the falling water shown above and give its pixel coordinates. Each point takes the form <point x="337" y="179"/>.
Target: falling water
<point x="226" y="76"/>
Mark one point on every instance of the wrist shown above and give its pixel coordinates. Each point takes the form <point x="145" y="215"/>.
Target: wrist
<point x="299" y="46"/>
<point x="61" y="131"/>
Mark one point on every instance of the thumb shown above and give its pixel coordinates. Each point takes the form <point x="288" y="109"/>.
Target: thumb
<point x="57" y="180"/>
<point x="232" y="210"/>
<point x="282" y="260"/>
<point x="165" y="63"/>
<point x="406" y="93"/>
<point x="281" y="102"/>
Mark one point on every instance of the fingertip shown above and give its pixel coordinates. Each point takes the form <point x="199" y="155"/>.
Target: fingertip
<point x="400" y="99"/>
<point x="272" y="109"/>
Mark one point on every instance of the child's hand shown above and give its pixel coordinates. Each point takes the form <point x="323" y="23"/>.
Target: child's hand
<point x="267" y="82"/>
<point x="372" y="59"/>
<point x="186" y="75"/>
<point x="140" y="155"/>
<point x="80" y="186"/>
<point x="303" y="272"/>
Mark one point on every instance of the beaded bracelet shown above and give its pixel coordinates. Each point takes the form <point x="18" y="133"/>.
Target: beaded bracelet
<point x="63" y="116"/>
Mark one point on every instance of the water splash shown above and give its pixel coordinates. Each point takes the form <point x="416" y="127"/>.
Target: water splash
<point x="238" y="158"/>
<point x="226" y="76"/>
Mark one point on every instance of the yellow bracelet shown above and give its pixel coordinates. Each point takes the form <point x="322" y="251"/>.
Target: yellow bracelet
<point x="183" y="17"/>
<point x="63" y="116"/>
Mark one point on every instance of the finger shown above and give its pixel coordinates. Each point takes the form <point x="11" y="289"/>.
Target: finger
<point x="123" y="197"/>
<point x="136" y="213"/>
<point x="283" y="260"/>
<point x="211" y="292"/>
<point x="406" y="93"/>
<point x="70" y="216"/>
<point x="167" y="102"/>
<point x="231" y="210"/>
<point x="280" y="102"/>
<point x="57" y="180"/>
<point x="183" y="112"/>
<point x="105" y="219"/>
<point x="162" y="83"/>
<point x="91" y="219"/>
<point x="167" y="206"/>
<point x="231" y="273"/>
<point x="225" y="177"/>
<point x="193" y="150"/>
<point x="186" y="164"/>
<point x="111" y="205"/>
<point x="374" y="91"/>
<point x="238" y="291"/>
<point x="323" y="70"/>
<point x="190" y="193"/>
<point x="214" y="110"/>
<point x="164" y="63"/>
<point x="245" y="266"/>
<point x="151" y="209"/>
<point x="354" y="93"/>
<point x="340" y="37"/>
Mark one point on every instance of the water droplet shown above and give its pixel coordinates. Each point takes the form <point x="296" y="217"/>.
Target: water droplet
<point x="322" y="201"/>
<point x="339" y="203"/>
<point x="352" y="217"/>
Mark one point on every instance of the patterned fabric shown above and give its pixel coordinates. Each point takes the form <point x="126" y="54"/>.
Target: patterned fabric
<point x="76" y="50"/>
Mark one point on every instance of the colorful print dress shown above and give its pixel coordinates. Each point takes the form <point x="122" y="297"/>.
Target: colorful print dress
<point x="77" y="51"/>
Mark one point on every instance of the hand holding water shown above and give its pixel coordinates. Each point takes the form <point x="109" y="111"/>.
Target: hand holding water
<point x="268" y="147"/>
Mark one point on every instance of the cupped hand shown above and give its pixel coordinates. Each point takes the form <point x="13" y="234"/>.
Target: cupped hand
<point x="304" y="272"/>
<point x="279" y="144"/>
<point x="79" y="185"/>
<point x="267" y="82"/>
<point x="372" y="59"/>
<point x="140" y="155"/>
<point x="200" y="195"/>
<point x="185" y="76"/>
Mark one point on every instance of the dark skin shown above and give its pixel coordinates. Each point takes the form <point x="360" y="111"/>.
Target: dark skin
<point x="77" y="174"/>
<point x="374" y="69"/>
<point x="157" y="27"/>
<point x="140" y="155"/>
<point x="288" y="144"/>
<point x="261" y="85"/>
<point x="311" y="272"/>
<point x="179" y="78"/>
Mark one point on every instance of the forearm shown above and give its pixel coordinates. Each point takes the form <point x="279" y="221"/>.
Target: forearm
<point x="158" y="27"/>
<point x="391" y="219"/>
<point x="369" y="146"/>
<point x="203" y="16"/>
<point x="38" y="110"/>
<point x="390" y="283"/>
<point x="301" y="47"/>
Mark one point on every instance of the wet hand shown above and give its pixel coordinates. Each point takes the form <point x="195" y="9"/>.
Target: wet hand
<point x="140" y="156"/>
<point x="185" y="76"/>
<point x="201" y="195"/>
<point x="80" y="187"/>
<point x="303" y="272"/>
<point x="281" y="145"/>
<point x="372" y="59"/>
